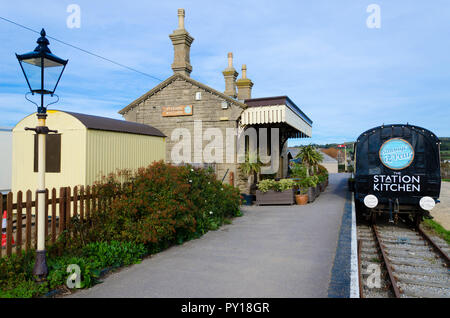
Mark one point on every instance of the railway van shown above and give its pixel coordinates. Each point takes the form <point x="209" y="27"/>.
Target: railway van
<point x="397" y="172"/>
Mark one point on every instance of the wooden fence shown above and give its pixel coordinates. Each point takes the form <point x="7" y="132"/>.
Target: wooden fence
<point x="22" y="213"/>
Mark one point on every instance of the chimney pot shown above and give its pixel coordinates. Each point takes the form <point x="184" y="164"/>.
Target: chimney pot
<point x="244" y="85"/>
<point x="244" y="71"/>
<point x="230" y="76"/>
<point x="181" y="41"/>
<point x="230" y="60"/>
<point x="181" y="19"/>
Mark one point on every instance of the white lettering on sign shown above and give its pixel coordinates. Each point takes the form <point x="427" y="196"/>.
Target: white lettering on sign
<point x="396" y="183"/>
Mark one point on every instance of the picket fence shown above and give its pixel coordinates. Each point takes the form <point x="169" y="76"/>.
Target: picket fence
<point x="19" y="228"/>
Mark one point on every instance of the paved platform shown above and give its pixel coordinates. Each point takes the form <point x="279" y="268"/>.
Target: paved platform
<point x="272" y="251"/>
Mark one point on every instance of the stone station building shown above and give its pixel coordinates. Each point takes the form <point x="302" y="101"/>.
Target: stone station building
<point x="184" y="103"/>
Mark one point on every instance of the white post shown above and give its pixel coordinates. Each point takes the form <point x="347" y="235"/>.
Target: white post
<point x="40" y="269"/>
<point x="41" y="188"/>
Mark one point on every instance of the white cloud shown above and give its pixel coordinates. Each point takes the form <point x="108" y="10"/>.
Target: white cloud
<point x="346" y="77"/>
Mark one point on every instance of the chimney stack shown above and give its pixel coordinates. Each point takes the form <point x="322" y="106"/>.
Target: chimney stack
<point x="244" y="85"/>
<point x="181" y="41"/>
<point x="230" y="75"/>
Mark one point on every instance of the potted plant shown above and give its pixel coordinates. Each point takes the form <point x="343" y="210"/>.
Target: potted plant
<point x="309" y="184"/>
<point x="250" y="168"/>
<point x="324" y="172"/>
<point x="310" y="157"/>
<point x="297" y="170"/>
<point x="301" y="198"/>
<point x="322" y="179"/>
<point x="275" y="192"/>
<point x="317" y="186"/>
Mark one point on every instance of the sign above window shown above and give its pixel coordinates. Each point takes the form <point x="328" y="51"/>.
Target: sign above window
<point x="182" y="110"/>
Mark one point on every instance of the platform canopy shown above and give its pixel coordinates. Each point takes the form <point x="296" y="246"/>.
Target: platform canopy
<point x="278" y="111"/>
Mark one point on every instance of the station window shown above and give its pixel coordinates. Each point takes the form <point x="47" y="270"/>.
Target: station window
<point x="52" y="153"/>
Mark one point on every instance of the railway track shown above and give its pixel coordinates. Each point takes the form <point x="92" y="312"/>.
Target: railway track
<point x="397" y="261"/>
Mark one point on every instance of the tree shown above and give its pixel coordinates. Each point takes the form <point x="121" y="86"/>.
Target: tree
<point x="310" y="158"/>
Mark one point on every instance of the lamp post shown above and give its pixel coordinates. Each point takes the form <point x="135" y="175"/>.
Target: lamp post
<point x="42" y="71"/>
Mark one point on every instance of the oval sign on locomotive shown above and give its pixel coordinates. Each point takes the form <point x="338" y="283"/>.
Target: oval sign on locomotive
<point x="396" y="154"/>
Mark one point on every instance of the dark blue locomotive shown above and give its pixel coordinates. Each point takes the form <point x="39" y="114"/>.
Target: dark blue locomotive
<point x="397" y="171"/>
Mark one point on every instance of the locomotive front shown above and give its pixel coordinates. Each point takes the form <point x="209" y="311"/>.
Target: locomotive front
<point x="397" y="170"/>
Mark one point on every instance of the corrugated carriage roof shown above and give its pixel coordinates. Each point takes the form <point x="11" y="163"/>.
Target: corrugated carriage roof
<point x="115" y="125"/>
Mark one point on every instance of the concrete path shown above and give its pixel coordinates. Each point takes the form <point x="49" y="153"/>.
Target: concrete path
<point x="272" y="251"/>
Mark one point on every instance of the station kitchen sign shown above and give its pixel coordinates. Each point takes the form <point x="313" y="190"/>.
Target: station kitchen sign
<point x="396" y="154"/>
<point x="171" y="111"/>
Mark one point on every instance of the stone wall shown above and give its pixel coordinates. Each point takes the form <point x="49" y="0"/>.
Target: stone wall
<point x="208" y="110"/>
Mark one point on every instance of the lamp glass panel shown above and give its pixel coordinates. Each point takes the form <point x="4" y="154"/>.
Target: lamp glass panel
<point x="33" y="74"/>
<point x="51" y="76"/>
<point x="52" y="71"/>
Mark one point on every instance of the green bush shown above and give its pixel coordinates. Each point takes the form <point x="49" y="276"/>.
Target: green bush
<point x="322" y="170"/>
<point x="299" y="171"/>
<point x="286" y="184"/>
<point x="93" y="258"/>
<point x="90" y="270"/>
<point x="136" y="214"/>
<point x="322" y="178"/>
<point x="114" y="254"/>
<point x="163" y="204"/>
<point x="282" y="185"/>
<point x="308" y="182"/>
<point x="16" y="271"/>
<point x="24" y="289"/>
<point x="266" y="185"/>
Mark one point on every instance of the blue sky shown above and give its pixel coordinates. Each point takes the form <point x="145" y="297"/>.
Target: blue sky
<point x="346" y="77"/>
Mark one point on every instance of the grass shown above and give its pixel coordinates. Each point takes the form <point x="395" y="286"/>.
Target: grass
<point x="375" y="260"/>
<point x="227" y="221"/>
<point x="438" y="229"/>
<point x="446" y="180"/>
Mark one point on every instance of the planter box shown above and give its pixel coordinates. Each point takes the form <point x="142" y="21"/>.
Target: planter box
<point x="317" y="190"/>
<point x="311" y="194"/>
<point x="323" y="186"/>
<point x="275" y="198"/>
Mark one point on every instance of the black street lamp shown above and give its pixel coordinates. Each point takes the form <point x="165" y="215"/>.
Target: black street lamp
<point x="42" y="71"/>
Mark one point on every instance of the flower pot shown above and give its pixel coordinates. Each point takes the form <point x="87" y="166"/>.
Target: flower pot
<point x="248" y="199"/>
<point x="301" y="199"/>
